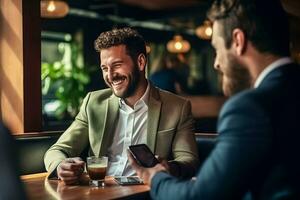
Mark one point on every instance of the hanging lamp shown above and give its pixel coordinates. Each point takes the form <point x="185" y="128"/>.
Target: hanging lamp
<point x="204" y="31"/>
<point x="54" y="8"/>
<point x="178" y="45"/>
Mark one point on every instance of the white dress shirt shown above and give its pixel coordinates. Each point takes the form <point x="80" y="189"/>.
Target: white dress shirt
<point x="278" y="63"/>
<point x="131" y="129"/>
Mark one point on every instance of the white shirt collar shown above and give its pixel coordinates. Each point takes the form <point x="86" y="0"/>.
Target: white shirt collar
<point x="278" y="63"/>
<point x="143" y="99"/>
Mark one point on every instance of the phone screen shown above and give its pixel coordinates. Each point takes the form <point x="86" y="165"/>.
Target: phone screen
<point x="143" y="155"/>
<point x="130" y="180"/>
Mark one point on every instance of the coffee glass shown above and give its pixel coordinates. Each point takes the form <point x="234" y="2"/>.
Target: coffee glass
<point x="96" y="167"/>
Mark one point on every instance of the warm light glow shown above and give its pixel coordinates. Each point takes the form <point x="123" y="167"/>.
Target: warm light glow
<point x="204" y="31"/>
<point x="178" y="45"/>
<point x="51" y="6"/>
<point x="208" y="31"/>
<point x="54" y="8"/>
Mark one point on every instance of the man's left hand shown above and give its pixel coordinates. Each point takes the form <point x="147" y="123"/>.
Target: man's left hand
<point x="145" y="173"/>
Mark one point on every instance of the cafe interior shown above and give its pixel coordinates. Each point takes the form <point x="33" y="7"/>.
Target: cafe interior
<point x="48" y="64"/>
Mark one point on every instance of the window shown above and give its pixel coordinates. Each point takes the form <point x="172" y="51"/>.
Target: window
<point x="64" y="79"/>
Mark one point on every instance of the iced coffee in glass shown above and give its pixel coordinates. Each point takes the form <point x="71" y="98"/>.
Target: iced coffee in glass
<point x="96" y="167"/>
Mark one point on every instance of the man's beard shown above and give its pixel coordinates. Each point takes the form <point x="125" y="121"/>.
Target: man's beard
<point x="236" y="77"/>
<point x="133" y="84"/>
<point x="134" y="80"/>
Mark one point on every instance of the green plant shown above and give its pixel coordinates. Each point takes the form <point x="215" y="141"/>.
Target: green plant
<point x="67" y="78"/>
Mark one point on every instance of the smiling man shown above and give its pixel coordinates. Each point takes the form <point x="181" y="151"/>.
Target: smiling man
<point x="131" y="111"/>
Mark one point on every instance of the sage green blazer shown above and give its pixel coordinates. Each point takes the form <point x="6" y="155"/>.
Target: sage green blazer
<point x="169" y="134"/>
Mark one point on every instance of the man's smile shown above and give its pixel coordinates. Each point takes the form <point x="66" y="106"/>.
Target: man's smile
<point x="119" y="81"/>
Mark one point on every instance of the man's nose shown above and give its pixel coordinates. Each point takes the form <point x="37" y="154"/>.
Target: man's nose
<point x="110" y="74"/>
<point x="216" y="65"/>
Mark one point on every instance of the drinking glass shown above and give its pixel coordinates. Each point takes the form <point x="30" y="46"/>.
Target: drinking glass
<point x="96" y="167"/>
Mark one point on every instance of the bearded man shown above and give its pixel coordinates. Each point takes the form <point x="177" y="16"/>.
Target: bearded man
<point x="255" y="156"/>
<point x="131" y="111"/>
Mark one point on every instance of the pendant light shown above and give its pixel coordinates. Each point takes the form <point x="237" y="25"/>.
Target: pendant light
<point x="204" y="31"/>
<point x="178" y="45"/>
<point x="54" y="8"/>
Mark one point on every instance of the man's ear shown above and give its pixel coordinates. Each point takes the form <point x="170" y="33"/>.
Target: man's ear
<point x="141" y="61"/>
<point x="239" y="41"/>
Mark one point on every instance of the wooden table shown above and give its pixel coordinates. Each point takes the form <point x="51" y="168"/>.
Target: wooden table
<point x="39" y="187"/>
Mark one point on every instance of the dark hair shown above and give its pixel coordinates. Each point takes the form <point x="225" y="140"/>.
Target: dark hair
<point x="134" y="42"/>
<point x="264" y="23"/>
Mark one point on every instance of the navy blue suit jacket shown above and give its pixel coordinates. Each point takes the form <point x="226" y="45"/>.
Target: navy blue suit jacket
<point x="258" y="148"/>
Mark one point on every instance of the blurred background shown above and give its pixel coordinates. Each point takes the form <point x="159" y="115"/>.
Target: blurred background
<point x="178" y="45"/>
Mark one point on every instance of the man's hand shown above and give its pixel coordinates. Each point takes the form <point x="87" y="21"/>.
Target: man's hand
<point x="145" y="173"/>
<point x="164" y="163"/>
<point x="70" y="170"/>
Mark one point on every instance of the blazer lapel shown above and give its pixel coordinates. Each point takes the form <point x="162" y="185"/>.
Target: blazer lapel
<point x="154" y="108"/>
<point x="110" y="122"/>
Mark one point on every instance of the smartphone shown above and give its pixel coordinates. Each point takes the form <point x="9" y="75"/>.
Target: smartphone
<point x="128" y="180"/>
<point x="143" y="155"/>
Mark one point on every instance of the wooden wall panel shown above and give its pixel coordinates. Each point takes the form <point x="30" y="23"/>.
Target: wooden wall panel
<point x="20" y="84"/>
<point x="206" y="106"/>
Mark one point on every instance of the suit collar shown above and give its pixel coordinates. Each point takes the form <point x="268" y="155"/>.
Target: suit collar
<point x="110" y="120"/>
<point x="278" y="63"/>
<point x="154" y="108"/>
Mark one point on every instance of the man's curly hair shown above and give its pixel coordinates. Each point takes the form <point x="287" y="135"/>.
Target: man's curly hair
<point x="134" y="42"/>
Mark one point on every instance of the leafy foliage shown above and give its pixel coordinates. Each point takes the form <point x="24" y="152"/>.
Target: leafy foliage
<point x="68" y="78"/>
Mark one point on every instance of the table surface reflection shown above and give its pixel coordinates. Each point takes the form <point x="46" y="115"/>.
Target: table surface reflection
<point x="39" y="187"/>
